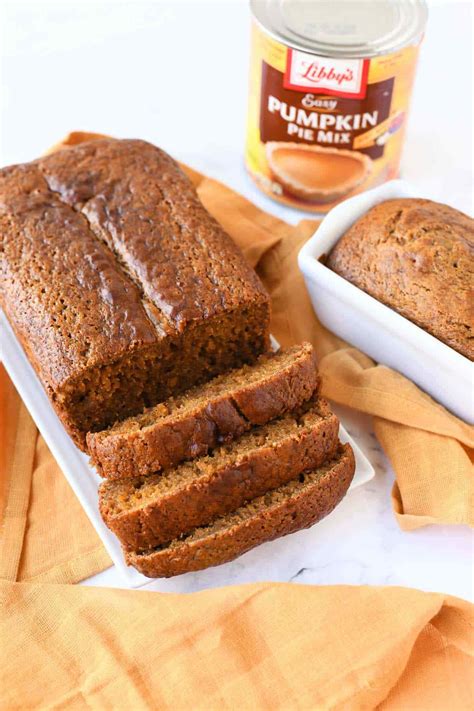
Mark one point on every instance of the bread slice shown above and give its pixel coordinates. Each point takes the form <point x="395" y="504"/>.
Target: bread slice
<point x="293" y="506"/>
<point x="190" y="425"/>
<point x="147" y="512"/>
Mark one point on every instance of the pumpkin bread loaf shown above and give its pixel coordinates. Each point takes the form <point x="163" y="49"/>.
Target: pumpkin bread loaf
<point x="295" y="505"/>
<point x="188" y="426"/>
<point x="150" y="511"/>
<point x="120" y="286"/>
<point x="416" y="256"/>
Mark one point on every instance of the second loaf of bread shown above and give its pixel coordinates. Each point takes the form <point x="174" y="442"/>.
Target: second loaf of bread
<point x="416" y="256"/>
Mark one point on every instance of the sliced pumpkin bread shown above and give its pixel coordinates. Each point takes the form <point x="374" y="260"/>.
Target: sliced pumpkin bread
<point x="295" y="505"/>
<point x="153" y="510"/>
<point x="189" y="425"/>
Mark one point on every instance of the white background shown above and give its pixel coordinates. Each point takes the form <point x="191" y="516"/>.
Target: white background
<point x="175" y="73"/>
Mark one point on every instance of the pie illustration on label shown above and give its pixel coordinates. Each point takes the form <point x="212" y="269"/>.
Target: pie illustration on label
<point x="316" y="174"/>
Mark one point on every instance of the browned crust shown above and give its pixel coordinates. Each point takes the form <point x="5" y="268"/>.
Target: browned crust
<point x="75" y="138"/>
<point x="415" y="256"/>
<point x="309" y="504"/>
<point x="223" y="490"/>
<point x="171" y="440"/>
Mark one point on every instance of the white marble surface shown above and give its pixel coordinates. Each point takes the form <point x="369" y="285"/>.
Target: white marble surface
<point x="175" y="73"/>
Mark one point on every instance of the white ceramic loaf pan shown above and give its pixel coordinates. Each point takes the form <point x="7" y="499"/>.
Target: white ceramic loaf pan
<point x="374" y="328"/>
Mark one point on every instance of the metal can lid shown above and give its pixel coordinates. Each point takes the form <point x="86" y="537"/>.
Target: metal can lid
<point x="343" y="28"/>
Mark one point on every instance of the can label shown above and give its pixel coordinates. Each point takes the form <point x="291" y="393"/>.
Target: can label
<point x="320" y="128"/>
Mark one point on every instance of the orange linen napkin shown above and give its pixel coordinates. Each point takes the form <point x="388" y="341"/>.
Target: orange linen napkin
<point x="265" y="646"/>
<point x="44" y="533"/>
<point x="47" y="537"/>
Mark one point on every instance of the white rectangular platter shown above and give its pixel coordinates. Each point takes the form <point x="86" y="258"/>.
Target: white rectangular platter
<point x="75" y="465"/>
<point x="376" y="329"/>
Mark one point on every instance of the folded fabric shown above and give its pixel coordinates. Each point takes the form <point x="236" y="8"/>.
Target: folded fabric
<point x="265" y="646"/>
<point x="44" y="533"/>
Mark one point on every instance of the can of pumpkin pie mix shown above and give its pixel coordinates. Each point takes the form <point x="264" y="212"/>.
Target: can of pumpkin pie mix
<point x="330" y="86"/>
